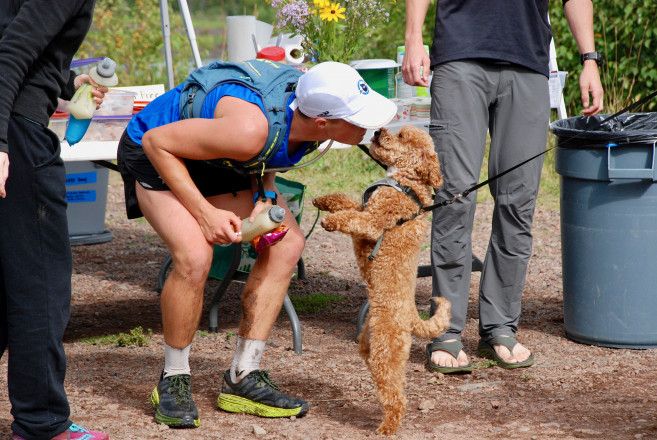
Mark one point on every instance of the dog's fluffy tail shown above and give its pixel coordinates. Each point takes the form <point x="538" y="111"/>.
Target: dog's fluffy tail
<point x="437" y="324"/>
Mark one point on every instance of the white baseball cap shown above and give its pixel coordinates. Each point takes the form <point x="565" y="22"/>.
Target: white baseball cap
<point x="337" y="91"/>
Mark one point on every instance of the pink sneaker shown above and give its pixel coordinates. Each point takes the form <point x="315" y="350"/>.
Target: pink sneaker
<point x="74" y="432"/>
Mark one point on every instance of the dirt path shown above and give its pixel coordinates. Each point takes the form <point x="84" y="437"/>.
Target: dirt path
<point x="574" y="391"/>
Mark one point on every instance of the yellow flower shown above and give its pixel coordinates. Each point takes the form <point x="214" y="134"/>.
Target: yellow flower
<point x="332" y="12"/>
<point x="321" y="3"/>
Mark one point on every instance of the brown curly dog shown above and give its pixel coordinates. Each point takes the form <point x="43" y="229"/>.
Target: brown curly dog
<point x="391" y="215"/>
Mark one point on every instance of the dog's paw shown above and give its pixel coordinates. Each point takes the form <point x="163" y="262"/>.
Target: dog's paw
<point x="336" y="202"/>
<point x="322" y="203"/>
<point x="329" y="223"/>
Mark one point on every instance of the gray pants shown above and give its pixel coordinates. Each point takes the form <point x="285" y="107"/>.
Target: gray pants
<point x="512" y="103"/>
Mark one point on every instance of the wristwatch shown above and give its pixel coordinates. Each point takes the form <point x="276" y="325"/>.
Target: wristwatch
<point x="597" y="56"/>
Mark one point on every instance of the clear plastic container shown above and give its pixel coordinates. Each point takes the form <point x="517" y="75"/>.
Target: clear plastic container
<point x="117" y="102"/>
<point x="106" y="128"/>
<point x="58" y="123"/>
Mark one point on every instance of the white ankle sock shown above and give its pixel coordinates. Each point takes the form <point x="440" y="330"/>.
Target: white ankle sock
<point x="176" y="360"/>
<point x="247" y="358"/>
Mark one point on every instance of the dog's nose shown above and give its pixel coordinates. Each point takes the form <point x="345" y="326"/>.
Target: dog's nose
<point x="377" y="133"/>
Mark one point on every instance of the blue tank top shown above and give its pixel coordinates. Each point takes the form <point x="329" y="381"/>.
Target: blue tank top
<point x="165" y="109"/>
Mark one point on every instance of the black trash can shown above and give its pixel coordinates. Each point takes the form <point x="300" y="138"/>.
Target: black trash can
<point x="608" y="200"/>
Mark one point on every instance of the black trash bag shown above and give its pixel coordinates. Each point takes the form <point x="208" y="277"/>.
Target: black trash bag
<point x="582" y="131"/>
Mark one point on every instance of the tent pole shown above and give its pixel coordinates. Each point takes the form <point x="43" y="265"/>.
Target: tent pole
<point x="191" y="35"/>
<point x="166" y="33"/>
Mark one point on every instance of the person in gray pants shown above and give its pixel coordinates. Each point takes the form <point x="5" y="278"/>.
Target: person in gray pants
<point x="490" y="74"/>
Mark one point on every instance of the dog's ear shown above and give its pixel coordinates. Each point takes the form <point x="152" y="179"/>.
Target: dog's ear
<point x="432" y="167"/>
<point x="435" y="178"/>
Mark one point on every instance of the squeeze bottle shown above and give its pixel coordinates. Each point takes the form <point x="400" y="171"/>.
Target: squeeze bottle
<point x="82" y="106"/>
<point x="266" y="221"/>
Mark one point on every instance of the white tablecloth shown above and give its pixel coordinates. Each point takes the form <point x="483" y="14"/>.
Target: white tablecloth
<point x="100" y="150"/>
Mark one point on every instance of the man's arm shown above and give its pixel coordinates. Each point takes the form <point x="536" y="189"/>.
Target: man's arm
<point x="238" y="132"/>
<point x="416" y="64"/>
<point x="579" y="14"/>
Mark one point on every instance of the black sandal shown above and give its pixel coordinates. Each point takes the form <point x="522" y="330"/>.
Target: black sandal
<point x="486" y="350"/>
<point x="453" y="348"/>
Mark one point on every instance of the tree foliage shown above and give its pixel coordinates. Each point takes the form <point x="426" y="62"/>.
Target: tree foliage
<point x="625" y="33"/>
<point x="130" y="32"/>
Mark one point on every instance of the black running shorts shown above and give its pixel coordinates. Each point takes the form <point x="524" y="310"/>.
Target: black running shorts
<point x="135" y="166"/>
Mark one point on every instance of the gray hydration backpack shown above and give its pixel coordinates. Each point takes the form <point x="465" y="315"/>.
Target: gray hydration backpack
<point x="273" y="82"/>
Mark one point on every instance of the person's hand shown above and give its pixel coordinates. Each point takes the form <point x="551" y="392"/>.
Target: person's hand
<point x="258" y="208"/>
<point x="416" y="65"/>
<point x="221" y="227"/>
<point x="4" y="173"/>
<point x="98" y="90"/>
<point x="589" y="83"/>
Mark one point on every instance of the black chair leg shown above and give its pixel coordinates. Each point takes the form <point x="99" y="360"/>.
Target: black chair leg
<point x="362" y="314"/>
<point x="162" y="276"/>
<point x="219" y="293"/>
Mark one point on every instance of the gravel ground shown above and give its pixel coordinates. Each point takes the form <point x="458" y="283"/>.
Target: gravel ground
<point x="574" y="391"/>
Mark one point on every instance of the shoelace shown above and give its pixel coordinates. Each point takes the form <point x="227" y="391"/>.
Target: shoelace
<point x="180" y="388"/>
<point x="264" y="376"/>
<point x="76" y="428"/>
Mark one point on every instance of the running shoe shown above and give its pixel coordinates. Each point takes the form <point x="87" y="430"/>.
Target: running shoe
<point x="257" y="394"/>
<point x="74" y="432"/>
<point x="172" y="400"/>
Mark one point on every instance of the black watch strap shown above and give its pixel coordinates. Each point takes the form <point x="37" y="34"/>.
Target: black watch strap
<point x="597" y="56"/>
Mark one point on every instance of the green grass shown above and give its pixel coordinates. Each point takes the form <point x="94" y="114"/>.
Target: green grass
<point x="315" y="302"/>
<point x="350" y="171"/>
<point x="347" y="170"/>
<point x="136" y="338"/>
<point x="486" y="363"/>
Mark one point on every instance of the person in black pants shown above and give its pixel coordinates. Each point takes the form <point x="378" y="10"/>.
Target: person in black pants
<point x="38" y="39"/>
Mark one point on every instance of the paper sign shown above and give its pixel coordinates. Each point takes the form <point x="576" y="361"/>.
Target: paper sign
<point x="81" y="178"/>
<point x="81" y="196"/>
<point x="144" y="93"/>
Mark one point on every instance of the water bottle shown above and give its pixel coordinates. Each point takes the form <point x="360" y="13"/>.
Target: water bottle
<point x="82" y="106"/>
<point x="266" y="221"/>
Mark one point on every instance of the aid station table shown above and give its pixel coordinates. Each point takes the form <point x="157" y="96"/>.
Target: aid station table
<point x="86" y="189"/>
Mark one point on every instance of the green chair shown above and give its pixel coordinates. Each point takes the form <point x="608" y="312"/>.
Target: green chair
<point x="234" y="262"/>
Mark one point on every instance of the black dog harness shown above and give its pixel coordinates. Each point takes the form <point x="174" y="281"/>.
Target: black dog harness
<point x="392" y="183"/>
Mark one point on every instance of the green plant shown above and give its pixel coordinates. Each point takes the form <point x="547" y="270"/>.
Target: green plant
<point x="229" y="335"/>
<point x="487" y="363"/>
<point x="315" y="302"/>
<point x="331" y="31"/>
<point x="137" y="337"/>
<point x="625" y="33"/>
<point x="387" y="36"/>
<point x="424" y="315"/>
